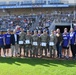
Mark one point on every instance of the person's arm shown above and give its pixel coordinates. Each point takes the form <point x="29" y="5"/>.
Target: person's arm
<point x="17" y="38"/>
<point x="75" y="39"/>
<point x="4" y="39"/>
<point x="31" y="40"/>
<point x="55" y="39"/>
<point x="11" y="39"/>
<point x="48" y="39"/>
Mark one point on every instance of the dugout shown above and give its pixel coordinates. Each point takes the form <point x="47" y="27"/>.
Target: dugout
<point x="61" y="27"/>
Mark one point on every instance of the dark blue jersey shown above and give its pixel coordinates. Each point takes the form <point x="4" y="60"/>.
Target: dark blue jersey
<point x="7" y="38"/>
<point x="72" y="37"/>
<point x="65" y="42"/>
<point x="1" y="40"/>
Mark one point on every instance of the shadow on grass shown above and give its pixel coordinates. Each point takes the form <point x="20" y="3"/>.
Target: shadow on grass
<point x="38" y="61"/>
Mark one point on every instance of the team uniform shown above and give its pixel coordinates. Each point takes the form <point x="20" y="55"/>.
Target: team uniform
<point x="35" y="40"/>
<point x="28" y="42"/>
<point x="7" y="37"/>
<point x="1" y="43"/>
<point x="39" y="43"/>
<point x="21" y="41"/>
<point x="52" y="44"/>
<point x="65" y="43"/>
<point x="43" y="43"/>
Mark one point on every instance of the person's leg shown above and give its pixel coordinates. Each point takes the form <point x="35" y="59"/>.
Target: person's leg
<point x="50" y="50"/>
<point x="64" y="52"/>
<point x="7" y="51"/>
<point x="41" y="51"/>
<point x="20" y="50"/>
<point x="45" y="51"/>
<point x="48" y="47"/>
<point x="16" y="49"/>
<point x="33" y="51"/>
<point x="24" y="50"/>
<point x="72" y="50"/>
<point x="57" y="49"/>
<point x="53" y="51"/>
<point x="68" y="53"/>
<point x="12" y="50"/>
<point x="60" y="51"/>
<point x="0" y="51"/>
<point x="4" y="51"/>
<point x="36" y="51"/>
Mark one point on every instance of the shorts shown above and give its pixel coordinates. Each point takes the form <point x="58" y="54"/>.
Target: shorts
<point x="65" y="47"/>
<point x="1" y="46"/>
<point x="7" y="46"/>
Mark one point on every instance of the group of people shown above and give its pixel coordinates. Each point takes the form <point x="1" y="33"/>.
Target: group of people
<point x="53" y="45"/>
<point x="10" y="21"/>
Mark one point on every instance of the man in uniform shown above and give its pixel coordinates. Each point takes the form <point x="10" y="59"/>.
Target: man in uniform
<point x="44" y="40"/>
<point x="35" y="40"/>
<point x="39" y="34"/>
<point x="52" y="44"/>
<point x="21" y="40"/>
<point x="28" y="41"/>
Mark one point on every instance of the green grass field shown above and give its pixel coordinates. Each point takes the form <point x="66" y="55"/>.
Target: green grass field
<point x="36" y="66"/>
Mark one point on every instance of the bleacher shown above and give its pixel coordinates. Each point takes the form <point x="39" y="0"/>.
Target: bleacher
<point x="59" y="15"/>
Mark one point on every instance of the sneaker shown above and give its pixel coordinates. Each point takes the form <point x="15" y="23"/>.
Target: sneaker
<point x="67" y="57"/>
<point x="4" y="56"/>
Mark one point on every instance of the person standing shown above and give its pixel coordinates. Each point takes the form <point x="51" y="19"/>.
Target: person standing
<point x="39" y="34"/>
<point x="22" y="36"/>
<point x="35" y="40"/>
<point x="65" y="44"/>
<point x="7" y="42"/>
<point x="14" y="43"/>
<point x="44" y="40"/>
<point x="1" y="42"/>
<point x="28" y="42"/>
<point x="52" y="44"/>
<point x="59" y="43"/>
<point x="73" y="43"/>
